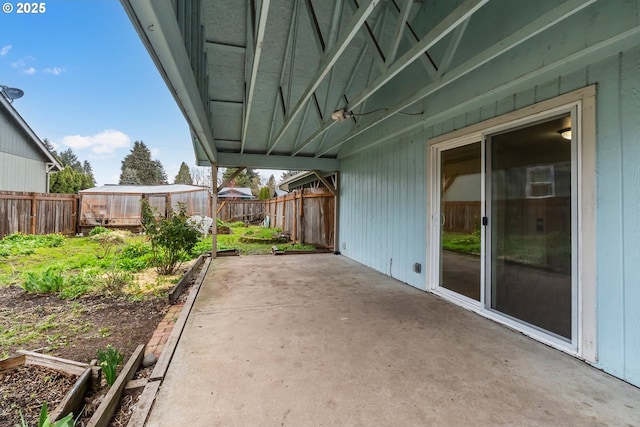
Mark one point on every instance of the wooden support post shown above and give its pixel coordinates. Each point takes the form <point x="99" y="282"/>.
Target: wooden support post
<point x="169" y="209"/>
<point x="214" y="208"/>
<point x="295" y="219"/>
<point x="34" y="212"/>
<point x="336" y="214"/>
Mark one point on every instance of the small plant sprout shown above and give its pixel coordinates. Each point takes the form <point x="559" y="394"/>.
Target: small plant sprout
<point x="110" y="358"/>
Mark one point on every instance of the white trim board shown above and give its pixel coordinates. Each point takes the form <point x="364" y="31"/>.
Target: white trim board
<point x="584" y="101"/>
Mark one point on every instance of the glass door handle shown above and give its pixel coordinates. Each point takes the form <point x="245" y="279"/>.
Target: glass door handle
<point x="442" y="220"/>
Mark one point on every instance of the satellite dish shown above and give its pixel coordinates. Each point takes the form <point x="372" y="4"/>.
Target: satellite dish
<point x="12" y="92"/>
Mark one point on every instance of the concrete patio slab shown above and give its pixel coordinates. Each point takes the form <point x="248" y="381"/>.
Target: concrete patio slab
<point x="320" y="340"/>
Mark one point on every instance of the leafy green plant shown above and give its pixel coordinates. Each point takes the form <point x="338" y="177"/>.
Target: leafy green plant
<point x="110" y="358"/>
<point x="48" y="281"/>
<point x="172" y="239"/>
<point x="79" y="284"/>
<point x="44" y="421"/>
<point x="135" y="257"/>
<point x="24" y="244"/>
<point x="98" y="230"/>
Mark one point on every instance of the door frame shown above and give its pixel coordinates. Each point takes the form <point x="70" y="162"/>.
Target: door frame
<point x="582" y="101"/>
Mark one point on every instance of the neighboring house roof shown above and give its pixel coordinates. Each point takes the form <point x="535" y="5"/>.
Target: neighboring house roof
<point x="237" y="192"/>
<point x="144" y="189"/>
<point x="302" y="178"/>
<point x="31" y="135"/>
<point x="280" y="192"/>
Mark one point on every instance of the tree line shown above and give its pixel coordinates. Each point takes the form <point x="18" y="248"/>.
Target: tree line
<point x="138" y="168"/>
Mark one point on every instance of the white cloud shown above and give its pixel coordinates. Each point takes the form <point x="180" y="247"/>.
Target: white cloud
<point x="5" y="50"/>
<point x="30" y="71"/>
<point x="104" y="142"/>
<point x="154" y="152"/>
<point x="55" y="70"/>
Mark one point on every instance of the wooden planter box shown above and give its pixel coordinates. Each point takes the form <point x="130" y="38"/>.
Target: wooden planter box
<point x="88" y="375"/>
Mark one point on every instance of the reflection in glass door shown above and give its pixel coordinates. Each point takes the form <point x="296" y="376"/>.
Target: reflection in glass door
<point x="530" y="220"/>
<point x="460" y="204"/>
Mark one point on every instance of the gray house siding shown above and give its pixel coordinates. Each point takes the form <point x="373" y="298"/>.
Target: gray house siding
<point x="13" y="140"/>
<point x="22" y="174"/>
<point x="384" y="202"/>
<point x="23" y="164"/>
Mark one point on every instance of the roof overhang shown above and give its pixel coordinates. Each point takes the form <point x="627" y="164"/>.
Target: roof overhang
<point x="259" y="81"/>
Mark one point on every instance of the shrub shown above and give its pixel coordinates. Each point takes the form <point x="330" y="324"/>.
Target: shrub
<point x="172" y="240"/>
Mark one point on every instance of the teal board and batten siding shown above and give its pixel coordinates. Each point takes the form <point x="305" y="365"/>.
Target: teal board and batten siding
<point x="382" y="209"/>
<point x="22" y="164"/>
<point x="383" y="204"/>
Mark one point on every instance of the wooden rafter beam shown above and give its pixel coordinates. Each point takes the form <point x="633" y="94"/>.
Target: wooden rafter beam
<point x="260" y="35"/>
<point x="444" y="27"/>
<point x="369" y="34"/>
<point x="329" y="61"/>
<point x="315" y="26"/>
<point x="326" y="183"/>
<point x="400" y="29"/>
<point x="323" y="130"/>
<point x="293" y="28"/>
<point x="452" y="48"/>
<point x="535" y="27"/>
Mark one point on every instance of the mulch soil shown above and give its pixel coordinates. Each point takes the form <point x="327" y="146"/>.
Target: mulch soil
<point x="85" y="325"/>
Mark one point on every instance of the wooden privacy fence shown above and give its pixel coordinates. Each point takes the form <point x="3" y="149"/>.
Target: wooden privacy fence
<point x="308" y="216"/>
<point x="37" y="213"/>
<point x="241" y="210"/>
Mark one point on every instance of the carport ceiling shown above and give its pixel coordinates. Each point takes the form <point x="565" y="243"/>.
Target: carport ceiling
<point x="258" y="80"/>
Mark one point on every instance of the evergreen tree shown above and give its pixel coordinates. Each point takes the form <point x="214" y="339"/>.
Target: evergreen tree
<point x="138" y="168"/>
<point x="184" y="176"/>
<point x="69" y="181"/>
<point x="129" y="177"/>
<point x="265" y="193"/>
<point x="247" y="178"/>
<point x="88" y="172"/>
<point x="161" y="173"/>
<point x="74" y="176"/>
<point x="287" y="174"/>
<point x="68" y="158"/>
<point x="51" y="149"/>
<point x="271" y="184"/>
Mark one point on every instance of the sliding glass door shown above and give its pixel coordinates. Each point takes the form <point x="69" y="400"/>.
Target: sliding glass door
<point x="460" y="219"/>
<point x="531" y="223"/>
<point x="504" y="224"/>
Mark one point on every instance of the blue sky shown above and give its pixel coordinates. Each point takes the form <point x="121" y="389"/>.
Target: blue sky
<point x="90" y="85"/>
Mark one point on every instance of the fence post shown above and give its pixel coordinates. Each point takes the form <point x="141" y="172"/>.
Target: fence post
<point x="295" y="219"/>
<point x="302" y="224"/>
<point x="34" y="212"/>
<point x="74" y="213"/>
<point x="214" y="208"/>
